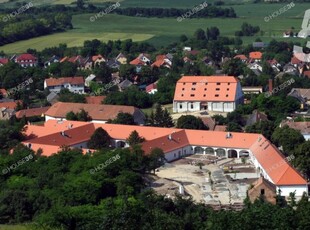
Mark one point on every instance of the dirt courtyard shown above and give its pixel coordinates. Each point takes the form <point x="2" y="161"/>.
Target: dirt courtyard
<point x="210" y="182"/>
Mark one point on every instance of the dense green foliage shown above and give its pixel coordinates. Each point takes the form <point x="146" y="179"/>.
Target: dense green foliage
<point x="60" y="191"/>
<point x="123" y="118"/>
<point x="191" y="122"/>
<point x="161" y="118"/>
<point x="134" y="138"/>
<point x="100" y="139"/>
<point x="82" y="115"/>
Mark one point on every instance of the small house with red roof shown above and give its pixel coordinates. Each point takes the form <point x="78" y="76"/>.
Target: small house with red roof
<point x="255" y="56"/>
<point x="151" y="88"/>
<point x="97" y="59"/>
<point x="26" y="60"/>
<point x="213" y="93"/>
<point x="3" y="61"/>
<point x="162" y="61"/>
<point x="33" y="112"/>
<point x="3" y="92"/>
<point x="242" y="57"/>
<point x="73" y="84"/>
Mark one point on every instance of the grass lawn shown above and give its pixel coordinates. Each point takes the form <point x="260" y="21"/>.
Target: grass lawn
<point x="164" y="31"/>
<point x="125" y="3"/>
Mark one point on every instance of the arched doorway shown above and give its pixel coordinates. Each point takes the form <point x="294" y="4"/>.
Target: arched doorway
<point x="220" y="152"/>
<point x="209" y="151"/>
<point x="232" y="153"/>
<point x="198" y="150"/>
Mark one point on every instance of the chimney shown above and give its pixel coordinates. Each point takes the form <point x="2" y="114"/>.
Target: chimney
<point x="270" y="85"/>
<point x="170" y="137"/>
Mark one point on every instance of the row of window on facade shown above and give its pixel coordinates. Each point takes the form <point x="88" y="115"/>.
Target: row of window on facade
<point x="195" y="83"/>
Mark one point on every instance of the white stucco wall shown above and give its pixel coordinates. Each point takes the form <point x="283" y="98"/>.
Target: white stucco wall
<point x="185" y="106"/>
<point x="287" y="189"/>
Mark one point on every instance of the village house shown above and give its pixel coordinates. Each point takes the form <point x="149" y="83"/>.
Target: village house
<point x="255" y="56"/>
<point x="163" y="61"/>
<point x="242" y="57"/>
<point x="3" y="61"/>
<point x="263" y="189"/>
<point x="151" y="88"/>
<point x="53" y="59"/>
<point x="73" y="84"/>
<point x="26" y="60"/>
<point x="303" y="95"/>
<point x="99" y="113"/>
<point x="98" y="59"/>
<point x="33" y="112"/>
<point x="212" y="93"/>
<point x="302" y="126"/>
<point x="121" y="58"/>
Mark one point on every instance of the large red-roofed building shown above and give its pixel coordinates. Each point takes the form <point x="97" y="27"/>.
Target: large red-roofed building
<point x="175" y="143"/>
<point x="213" y="93"/>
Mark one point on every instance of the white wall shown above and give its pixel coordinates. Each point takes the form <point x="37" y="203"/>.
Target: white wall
<point x="221" y="106"/>
<point x="178" y="153"/>
<point x="287" y="189"/>
<point x="186" y="106"/>
<point x="72" y="88"/>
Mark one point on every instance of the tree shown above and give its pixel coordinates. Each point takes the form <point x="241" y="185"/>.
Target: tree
<point x="200" y="34"/>
<point x="191" y="122"/>
<point x="124" y="119"/>
<point x="161" y="118"/>
<point x="213" y="33"/>
<point x="83" y="116"/>
<point x="234" y="67"/>
<point x="134" y="138"/>
<point x="156" y="159"/>
<point x="287" y="138"/>
<point x="233" y="127"/>
<point x="264" y="127"/>
<point x="80" y="4"/>
<point x="71" y="116"/>
<point x="183" y="38"/>
<point x="100" y="139"/>
<point x="302" y="157"/>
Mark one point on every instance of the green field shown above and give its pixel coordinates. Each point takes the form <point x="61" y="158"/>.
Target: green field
<point x="164" y="31"/>
<point x="126" y="3"/>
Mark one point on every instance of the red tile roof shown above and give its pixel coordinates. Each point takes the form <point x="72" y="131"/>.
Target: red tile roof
<point x="221" y="128"/>
<point x="241" y="56"/>
<point x="307" y="73"/>
<point x="95" y="99"/>
<point x="137" y="61"/>
<point x="26" y="57"/>
<point x="158" y="63"/>
<point x="3" y="92"/>
<point x="295" y="60"/>
<point x="31" y="112"/>
<point x="256" y="55"/>
<point x="206" y="88"/>
<point x="64" y="80"/>
<point x="97" y="112"/>
<point x="71" y="136"/>
<point x="94" y="58"/>
<point x="272" y="160"/>
<point x="9" y="105"/>
<point x="168" y="143"/>
<point x="150" y="87"/>
<point x="4" y="61"/>
<point x="268" y="156"/>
